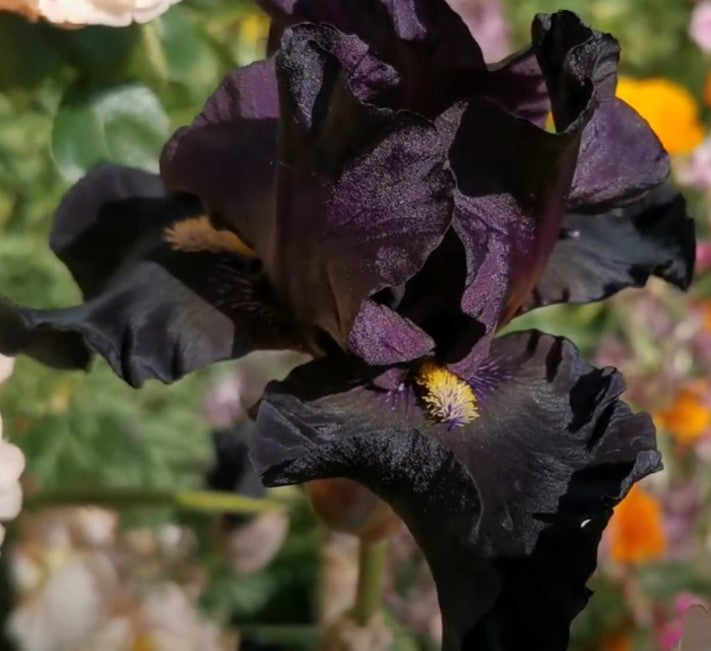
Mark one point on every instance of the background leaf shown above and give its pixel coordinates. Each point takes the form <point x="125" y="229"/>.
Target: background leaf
<point x="124" y="124"/>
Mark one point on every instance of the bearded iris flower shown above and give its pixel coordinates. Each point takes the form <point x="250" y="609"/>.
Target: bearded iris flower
<point x="376" y="195"/>
<point x="381" y="191"/>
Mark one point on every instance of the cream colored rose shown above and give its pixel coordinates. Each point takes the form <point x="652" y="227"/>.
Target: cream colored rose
<point x="115" y="13"/>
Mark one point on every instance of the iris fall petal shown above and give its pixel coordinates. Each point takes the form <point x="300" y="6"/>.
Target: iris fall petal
<point x="166" y="293"/>
<point x="509" y="508"/>
<point x="599" y="254"/>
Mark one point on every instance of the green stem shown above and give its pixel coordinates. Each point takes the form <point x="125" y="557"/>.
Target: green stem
<point x="154" y="49"/>
<point x="371" y="565"/>
<point x="190" y="500"/>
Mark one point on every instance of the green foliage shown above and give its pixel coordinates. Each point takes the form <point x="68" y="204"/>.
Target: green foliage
<point x="124" y="124"/>
<point x="653" y="33"/>
<point x="70" y="99"/>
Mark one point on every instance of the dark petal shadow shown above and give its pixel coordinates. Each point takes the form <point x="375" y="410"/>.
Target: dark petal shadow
<point x="508" y="509"/>
<point x="598" y="255"/>
<point x="153" y="309"/>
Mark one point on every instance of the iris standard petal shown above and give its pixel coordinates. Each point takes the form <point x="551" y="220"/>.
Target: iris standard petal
<point x="512" y="181"/>
<point x="597" y="255"/>
<point x="517" y="83"/>
<point x="363" y="193"/>
<point x="429" y="45"/>
<point x="227" y="156"/>
<point x="620" y="159"/>
<point x="510" y="205"/>
<point x="620" y="156"/>
<point x="425" y="40"/>
<point x="166" y="293"/>
<point x="508" y="508"/>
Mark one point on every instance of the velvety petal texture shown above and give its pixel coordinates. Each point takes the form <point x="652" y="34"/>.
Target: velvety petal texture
<point x="430" y="46"/>
<point x="363" y="193"/>
<point x="508" y="508"/>
<point x="597" y="255"/>
<point x="425" y="39"/>
<point x="165" y="292"/>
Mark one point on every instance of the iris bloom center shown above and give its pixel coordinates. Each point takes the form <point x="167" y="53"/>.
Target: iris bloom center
<point x="446" y="397"/>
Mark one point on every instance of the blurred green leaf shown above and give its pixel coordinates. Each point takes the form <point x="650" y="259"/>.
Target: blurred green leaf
<point x="191" y="60"/>
<point x="28" y="59"/>
<point x="125" y="124"/>
<point x="98" y="53"/>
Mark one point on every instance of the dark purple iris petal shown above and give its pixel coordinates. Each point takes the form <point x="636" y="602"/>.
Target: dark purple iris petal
<point x="425" y="40"/>
<point x="512" y="182"/>
<point x="599" y="254"/>
<point x="152" y="309"/>
<point x="620" y="156"/>
<point x="620" y="159"/>
<point x="99" y="221"/>
<point x="227" y="156"/>
<point x="517" y="84"/>
<point x="508" y="509"/>
<point x="515" y="181"/>
<point x="381" y="336"/>
<point x="429" y="45"/>
<point x="363" y="193"/>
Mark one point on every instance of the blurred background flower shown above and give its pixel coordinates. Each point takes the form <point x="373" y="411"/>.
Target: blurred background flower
<point x="12" y="463"/>
<point x="77" y="13"/>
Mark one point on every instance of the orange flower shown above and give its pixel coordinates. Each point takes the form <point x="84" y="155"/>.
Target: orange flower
<point x="688" y="418"/>
<point x="669" y="108"/>
<point x="636" y="530"/>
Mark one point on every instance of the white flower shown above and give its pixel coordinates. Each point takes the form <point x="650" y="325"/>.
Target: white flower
<point x="173" y="623"/>
<point x="115" y="13"/>
<point x="7" y="364"/>
<point x="12" y="463"/>
<point x="69" y="605"/>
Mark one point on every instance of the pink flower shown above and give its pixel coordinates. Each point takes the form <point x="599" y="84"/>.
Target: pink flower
<point x="700" y="27"/>
<point x="695" y="171"/>
<point x="669" y="632"/>
<point x="703" y="255"/>
<point x="486" y="22"/>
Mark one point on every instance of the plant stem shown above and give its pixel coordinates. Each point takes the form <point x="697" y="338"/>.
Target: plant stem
<point x="191" y="500"/>
<point x="371" y="564"/>
<point x="154" y="49"/>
